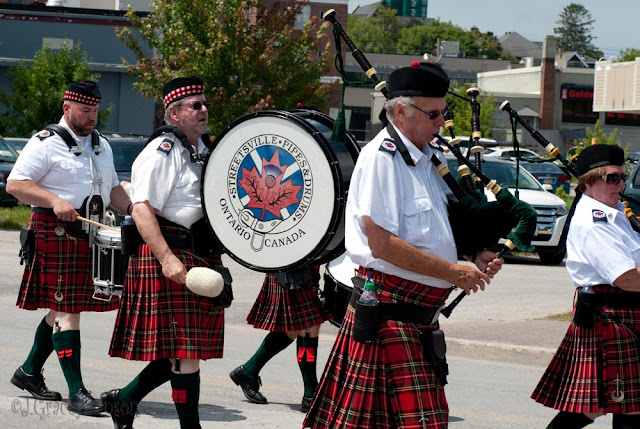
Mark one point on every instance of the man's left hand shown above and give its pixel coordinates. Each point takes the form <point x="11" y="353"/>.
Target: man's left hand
<point x="487" y="259"/>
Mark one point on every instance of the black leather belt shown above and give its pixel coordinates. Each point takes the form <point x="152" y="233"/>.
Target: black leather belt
<point x="403" y="312"/>
<point x="42" y="210"/>
<point x="611" y="300"/>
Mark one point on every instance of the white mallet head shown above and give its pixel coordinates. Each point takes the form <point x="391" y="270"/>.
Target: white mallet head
<point x="205" y="281"/>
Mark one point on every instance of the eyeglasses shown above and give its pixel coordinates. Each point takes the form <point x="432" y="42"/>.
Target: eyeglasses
<point x="432" y="115"/>
<point x="614" y="178"/>
<point x="197" y="105"/>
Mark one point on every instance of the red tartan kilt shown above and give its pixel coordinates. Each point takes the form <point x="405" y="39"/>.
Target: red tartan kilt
<point x="159" y="318"/>
<point x="277" y="309"/>
<point x="583" y="374"/>
<point x="387" y="384"/>
<point x="61" y="264"/>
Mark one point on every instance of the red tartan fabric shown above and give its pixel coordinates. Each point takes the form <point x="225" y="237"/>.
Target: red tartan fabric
<point x="61" y="264"/>
<point x="583" y="374"/>
<point x="387" y="384"/>
<point x="277" y="309"/>
<point x="159" y="318"/>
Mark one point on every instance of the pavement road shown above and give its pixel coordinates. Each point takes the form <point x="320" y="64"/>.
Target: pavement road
<point x="499" y="345"/>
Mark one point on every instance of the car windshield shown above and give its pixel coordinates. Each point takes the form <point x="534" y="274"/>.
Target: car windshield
<point x="7" y="154"/>
<point x="502" y="172"/>
<point x="541" y="167"/>
<point x="124" y="154"/>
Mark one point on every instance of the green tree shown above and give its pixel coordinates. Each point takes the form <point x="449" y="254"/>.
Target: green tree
<point x="423" y="38"/>
<point x="461" y="111"/>
<point x="574" y="31"/>
<point x="37" y="89"/>
<point x="628" y="54"/>
<point x="378" y="34"/>
<point x="248" y="55"/>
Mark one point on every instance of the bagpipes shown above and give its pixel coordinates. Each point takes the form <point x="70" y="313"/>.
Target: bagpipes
<point x="570" y="167"/>
<point x="509" y="217"/>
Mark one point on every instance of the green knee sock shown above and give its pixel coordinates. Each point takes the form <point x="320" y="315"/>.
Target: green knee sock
<point x="153" y="375"/>
<point x="185" y="392"/>
<point x="40" y="350"/>
<point x="307" y="351"/>
<point x="67" y="344"/>
<point x="564" y="420"/>
<point x="626" y="421"/>
<point x="273" y="344"/>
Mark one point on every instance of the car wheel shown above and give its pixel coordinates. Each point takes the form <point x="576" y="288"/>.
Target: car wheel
<point x="553" y="256"/>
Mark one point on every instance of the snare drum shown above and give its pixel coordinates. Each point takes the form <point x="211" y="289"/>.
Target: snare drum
<point x="338" y="286"/>
<point x="109" y="264"/>
<point x="274" y="189"/>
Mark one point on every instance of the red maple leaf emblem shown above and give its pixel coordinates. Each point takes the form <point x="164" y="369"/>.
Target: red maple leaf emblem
<point x="266" y="192"/>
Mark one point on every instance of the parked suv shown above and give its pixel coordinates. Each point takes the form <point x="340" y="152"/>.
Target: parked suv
<point x="549" y="242"/>
<point x="632" y="189"/>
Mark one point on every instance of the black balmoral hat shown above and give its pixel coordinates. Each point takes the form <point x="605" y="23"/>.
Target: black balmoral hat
<point x="599" y="155"/>
<point x="181" y="87"/>
<point x="85" y="92"/>
<point x="419" y="80"/>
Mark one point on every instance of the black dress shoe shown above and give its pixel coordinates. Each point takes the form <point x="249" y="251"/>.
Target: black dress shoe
<point x="84" y="404"/>
<point x="34" y="384"/>
<point x="250" y="385"/>
<point x="306" y="404"/>
<point x="122" y="413"/>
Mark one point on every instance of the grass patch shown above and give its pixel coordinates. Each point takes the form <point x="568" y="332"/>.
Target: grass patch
<point x="562" y="317"/>
<point x="14" y="217"/>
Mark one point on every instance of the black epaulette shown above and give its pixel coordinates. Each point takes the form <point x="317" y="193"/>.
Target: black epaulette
<point x="598" y="216"/>
<point x="389" y="146"/>
<point x="44" y="134"/>
<point x="165" y="146"/>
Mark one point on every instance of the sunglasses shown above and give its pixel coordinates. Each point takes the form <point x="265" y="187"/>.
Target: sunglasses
<point x="432" y="115"/>
<point x="197" y="105"/>
<point x="614" y="178"/>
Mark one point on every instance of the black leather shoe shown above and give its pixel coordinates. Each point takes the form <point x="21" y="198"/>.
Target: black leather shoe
<point x="34" y="384"/>
<point x="250" y="385"/>
<point x="122" y="413"/>
<point x="306" y="404"/>
<point x="84" y="404"/>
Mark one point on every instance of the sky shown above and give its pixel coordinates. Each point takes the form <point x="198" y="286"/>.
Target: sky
<point x="615" y="27"/>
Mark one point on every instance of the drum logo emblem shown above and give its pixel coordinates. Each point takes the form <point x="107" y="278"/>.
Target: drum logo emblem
<point x="269" y="185"/>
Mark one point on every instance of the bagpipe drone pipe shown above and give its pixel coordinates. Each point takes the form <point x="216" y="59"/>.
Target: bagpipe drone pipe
<point x="569" y="166"/>
<point x="477" y="224"/>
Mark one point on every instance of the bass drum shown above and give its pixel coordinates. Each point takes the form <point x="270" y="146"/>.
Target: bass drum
<point x="338" y="287"/>
<point x="274" y="189"/>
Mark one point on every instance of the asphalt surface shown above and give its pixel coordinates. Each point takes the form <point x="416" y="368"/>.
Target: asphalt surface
<point x="501" y="336"/>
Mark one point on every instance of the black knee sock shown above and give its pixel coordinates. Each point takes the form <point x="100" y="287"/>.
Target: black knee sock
<point x="40" y="350"/>
<point x="626" y="421"/>
<point x="67" y="344"/>
<point x="307" y="351"/>
<point x="564" y="420"/>
<point x="273" y="344"/>
<point x="153" y="375"/>
<point x="185" y="392"/>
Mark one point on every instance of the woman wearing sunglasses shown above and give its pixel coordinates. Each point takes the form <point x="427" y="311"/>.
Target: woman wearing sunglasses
<point x="596" y="369"/>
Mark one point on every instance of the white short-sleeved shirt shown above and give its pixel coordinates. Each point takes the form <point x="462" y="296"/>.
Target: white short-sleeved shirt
<point x="47" y="162"/>
<point x="164" y="175"/>
<point x="410" y="202"/>
<point x="601" y="245"/>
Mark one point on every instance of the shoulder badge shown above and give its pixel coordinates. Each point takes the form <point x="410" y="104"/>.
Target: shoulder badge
<point x="598" y="216"/>
<point x="389" y="146"/>
<point x="44" y="134"/>
<point x="165" y="146"/>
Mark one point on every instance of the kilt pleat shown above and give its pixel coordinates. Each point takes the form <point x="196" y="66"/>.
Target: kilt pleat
<point x="277" y="309"/>
<point x="159" y="318"/>
<point x="591" y="366"/>
<point x="386" y="384"/>
<point x="61" y="264"/>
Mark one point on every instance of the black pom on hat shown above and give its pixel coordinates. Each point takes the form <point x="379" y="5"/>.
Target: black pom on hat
<point x="597" y="156"/>
<point x="181" y="87"/>
<point x="85" y="92"/>
<point x="419" y="80"/>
